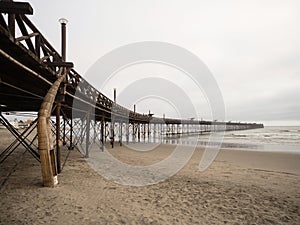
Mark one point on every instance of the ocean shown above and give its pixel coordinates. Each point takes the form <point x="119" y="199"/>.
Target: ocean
<point x="279" y="139"/>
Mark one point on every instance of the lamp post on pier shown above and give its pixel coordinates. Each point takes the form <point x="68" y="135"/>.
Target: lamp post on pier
<point x="63" y="23"/>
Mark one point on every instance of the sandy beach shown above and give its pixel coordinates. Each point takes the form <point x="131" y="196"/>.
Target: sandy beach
<point x="240" y="187"/>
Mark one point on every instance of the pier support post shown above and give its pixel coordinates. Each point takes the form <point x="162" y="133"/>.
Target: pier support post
<point x="64" y="131"/>
<point x="102" y="133"/>
<point x="120" y="132"/>
<point x="127" y="132"/>
<point x="71" y="134"/>
<point x="112" y="134"/>
<point x="87" y="133"/>
<point x="149" y="132"/>
<point x="134" y="132"/>
<point x="144" y="133"/>
<point x="139" y="132"/>
<point x="105" y="131"/>
<point x="58" y="107"/>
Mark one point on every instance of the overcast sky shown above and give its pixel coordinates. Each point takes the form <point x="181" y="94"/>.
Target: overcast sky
<point x="251" y="47"/>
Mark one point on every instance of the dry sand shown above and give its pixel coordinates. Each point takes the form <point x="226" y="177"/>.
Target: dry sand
<point x="240" y="187"/>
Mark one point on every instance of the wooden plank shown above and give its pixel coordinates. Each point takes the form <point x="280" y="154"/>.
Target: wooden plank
<point x="22" y="38"/>
<point x="25" y="33"/>
<point x="61" y="64"/>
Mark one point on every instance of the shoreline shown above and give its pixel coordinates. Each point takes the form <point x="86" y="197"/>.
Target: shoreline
<point x="240" y="157"/>
<point x="288" y="148"/>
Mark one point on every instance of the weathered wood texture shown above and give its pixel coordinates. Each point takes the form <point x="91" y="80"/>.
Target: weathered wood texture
<point x="45" y="140"/>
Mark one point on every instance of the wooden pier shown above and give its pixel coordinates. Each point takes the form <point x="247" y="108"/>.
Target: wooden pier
<point x="34" y="77"/>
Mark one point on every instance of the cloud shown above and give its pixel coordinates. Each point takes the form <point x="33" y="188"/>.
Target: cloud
<point x="282" y="106"/>
<point x="252" y="47"/>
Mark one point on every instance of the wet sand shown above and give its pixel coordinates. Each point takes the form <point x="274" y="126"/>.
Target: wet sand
<point x="240" y="187"/>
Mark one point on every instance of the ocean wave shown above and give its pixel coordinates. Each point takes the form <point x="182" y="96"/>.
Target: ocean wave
<point x="285" y="131"/>
<point x="239" y="135"/>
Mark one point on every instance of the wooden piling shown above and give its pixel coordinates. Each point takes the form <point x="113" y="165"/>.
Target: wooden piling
<point x="102" y="133"/>
<point x="87" y="133"/>
<point x="120" y="132"/>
